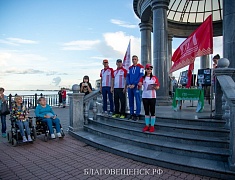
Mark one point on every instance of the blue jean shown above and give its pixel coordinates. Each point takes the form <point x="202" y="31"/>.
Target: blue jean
<point x="49" y="122"/>
<point x="107" y="91"/>
<point x="22" y="125"/>
<point x="3" y="121"/>
<point x="134" y="93"/>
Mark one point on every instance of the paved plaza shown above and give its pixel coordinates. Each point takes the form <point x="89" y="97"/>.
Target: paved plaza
<point x="71" y="159"/>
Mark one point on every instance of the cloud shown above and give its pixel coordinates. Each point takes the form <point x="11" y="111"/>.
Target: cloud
<point x="17" y="41"/>
<point x="27" y="71"/>
<point x="123" y="23"/>
<point x="22" y="41"/>
<point x="55" y="73"/>
<point x="80" y="45"/>
<point x="118" y="41"/>
<point x="56" y="81"/>
<point x="32" y="71"/>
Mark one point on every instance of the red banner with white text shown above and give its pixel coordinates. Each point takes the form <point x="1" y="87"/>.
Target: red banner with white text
<point x="199" y="43"/>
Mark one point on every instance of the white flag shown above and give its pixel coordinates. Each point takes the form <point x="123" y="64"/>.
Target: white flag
<point x="127" y="57"/>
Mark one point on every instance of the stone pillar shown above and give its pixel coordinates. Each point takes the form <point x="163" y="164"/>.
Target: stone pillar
<point x="169" y="62"/>
<point x="204" y="62"/>
<point x="76" y="115"/>
<point x="222" y="69"/>
<point x="229" y="31"/>
<point x="145" y="29"/>
<point x="160" y="47"/>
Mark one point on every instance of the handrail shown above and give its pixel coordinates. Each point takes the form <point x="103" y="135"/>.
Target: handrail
<point x="227" y="85"/>
<point x="91" y="96"/>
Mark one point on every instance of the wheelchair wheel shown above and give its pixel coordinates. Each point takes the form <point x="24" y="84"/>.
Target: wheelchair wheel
<point x="45" y="138"/>
<point x="14" y="142"/>
<point x="9" y="136"/>
<point x="62" y="134"/>
<point x="34" y="134"/>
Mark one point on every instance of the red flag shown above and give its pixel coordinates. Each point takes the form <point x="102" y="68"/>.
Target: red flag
<point x="127" y="57"/>
<point x="199" y="43"/>
<point x="190" y="72"/>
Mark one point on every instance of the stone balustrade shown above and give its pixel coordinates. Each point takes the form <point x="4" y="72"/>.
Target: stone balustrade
<point x="225" y="102"/>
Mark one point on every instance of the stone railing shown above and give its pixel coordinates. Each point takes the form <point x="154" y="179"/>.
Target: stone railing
<point x="82" y="107"/>
<point x="225" y="103"/>
<point x="92" y="99"/>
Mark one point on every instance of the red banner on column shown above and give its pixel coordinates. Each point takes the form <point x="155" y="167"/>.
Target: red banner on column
<point x="199" y="43"/>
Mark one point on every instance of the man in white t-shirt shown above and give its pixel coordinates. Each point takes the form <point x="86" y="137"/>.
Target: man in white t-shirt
<point x="120" y="90"/>
<point x="106" y="85"/>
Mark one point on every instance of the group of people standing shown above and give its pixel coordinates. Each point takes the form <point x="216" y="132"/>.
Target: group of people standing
<point x="62" y="97"/>
<point x="117" y="82"/>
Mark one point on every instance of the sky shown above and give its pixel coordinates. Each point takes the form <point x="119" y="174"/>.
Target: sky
<point x="49" y="44"/>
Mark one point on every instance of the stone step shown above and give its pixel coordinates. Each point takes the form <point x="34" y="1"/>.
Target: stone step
<point x="220" y="154"/>
<point x="173" y="127"/>
<point x="193" y="122"/>
<point x="189" y="164"/>
<point x="199" y="121"/>
<point x="191" y="139"/>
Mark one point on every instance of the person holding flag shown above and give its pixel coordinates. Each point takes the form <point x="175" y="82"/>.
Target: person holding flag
<point x="135" y="72"/>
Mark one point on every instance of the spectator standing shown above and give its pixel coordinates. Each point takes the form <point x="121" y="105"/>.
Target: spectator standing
<point x="106" y="85"/>
<point x="3" y="98"/>
<point x="150" y="84"/>
<point x="64" y="97"/>
<point x="174" y="84"/>
<point x="85" y="86"/>
<point x="120" y="90"/>
<point x="60" y="96"/>
<point x="135" y="72"/>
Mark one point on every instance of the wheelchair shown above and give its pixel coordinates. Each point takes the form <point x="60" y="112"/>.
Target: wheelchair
<point x="42" y="128"/>
<point x="14" y="137"/>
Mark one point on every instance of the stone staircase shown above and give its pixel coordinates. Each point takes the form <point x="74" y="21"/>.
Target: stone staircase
<point x="198" y="146"/>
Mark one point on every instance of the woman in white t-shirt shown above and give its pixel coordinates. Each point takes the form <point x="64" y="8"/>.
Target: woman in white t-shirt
<point x="150" y="85"/>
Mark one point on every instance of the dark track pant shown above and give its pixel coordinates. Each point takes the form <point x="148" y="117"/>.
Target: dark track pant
<point x="119" y="97"/>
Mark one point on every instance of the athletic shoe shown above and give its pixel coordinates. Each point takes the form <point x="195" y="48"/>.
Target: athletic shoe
<point x="131" y="117"/>
<point x="24" y="139"/>
<point x="4" y="135"/>
<point x="59" y="135"/>
<point x="151" y="129"/>
<point x="52" y="136"/>
<point x="105" y="113"/>
<point x="122" y="117"/>
<point x="146" y="128"/>
<point x="137" y="118"/>
<point x="29" y="138"/>
<point x="116" y="115"/>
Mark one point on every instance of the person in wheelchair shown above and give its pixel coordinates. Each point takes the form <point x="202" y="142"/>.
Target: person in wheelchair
<point x="45" y="112"/>
<point x="19" y="113"/>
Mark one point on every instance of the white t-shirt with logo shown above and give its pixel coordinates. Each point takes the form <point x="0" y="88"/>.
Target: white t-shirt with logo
<point x="119" y="77"/>
<point x="106" y="75"/>
<point x="146" y="82"/>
